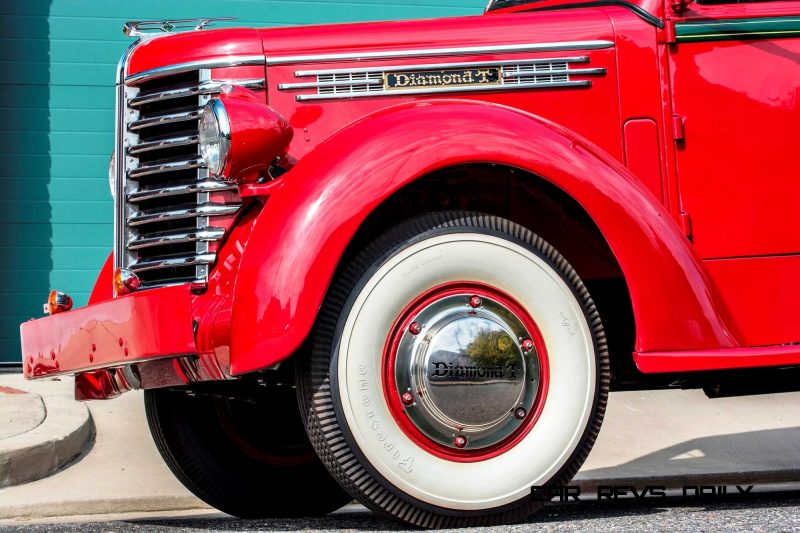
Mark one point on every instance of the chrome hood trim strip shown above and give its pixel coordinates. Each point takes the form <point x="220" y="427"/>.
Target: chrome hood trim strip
<point x="217" y="62"/>
<point x="433" y="66"/>
<point x="426" y="52"/>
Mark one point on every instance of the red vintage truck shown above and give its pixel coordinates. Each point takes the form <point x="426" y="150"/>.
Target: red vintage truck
<point x="406" y="261"/>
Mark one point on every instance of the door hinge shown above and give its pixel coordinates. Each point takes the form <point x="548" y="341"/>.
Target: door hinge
<point x="686" y="225"/>
<point x="678" y="130"/>
<point x="669" y="32"/>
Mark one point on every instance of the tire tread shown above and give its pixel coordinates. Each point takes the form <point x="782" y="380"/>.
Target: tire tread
<point x="317" y="404"/>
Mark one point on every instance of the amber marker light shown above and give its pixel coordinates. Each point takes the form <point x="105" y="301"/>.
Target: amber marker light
<point x="125" y="282"/>
<point x="57" y="302"/>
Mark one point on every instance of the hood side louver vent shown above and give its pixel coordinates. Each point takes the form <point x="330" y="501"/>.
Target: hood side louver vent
<point x="443" y="78"/>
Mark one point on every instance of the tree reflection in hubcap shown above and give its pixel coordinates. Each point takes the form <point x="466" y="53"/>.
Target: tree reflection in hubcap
<point x="471" y="367"/>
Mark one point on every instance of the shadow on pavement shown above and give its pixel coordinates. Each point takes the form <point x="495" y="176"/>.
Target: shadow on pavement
<point x="771" y="455"/>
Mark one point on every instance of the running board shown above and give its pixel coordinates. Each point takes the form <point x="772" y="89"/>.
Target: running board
<point x="722" y="359"/>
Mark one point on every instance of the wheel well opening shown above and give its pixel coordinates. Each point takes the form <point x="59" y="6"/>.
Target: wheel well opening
<point x="538" y="205"/>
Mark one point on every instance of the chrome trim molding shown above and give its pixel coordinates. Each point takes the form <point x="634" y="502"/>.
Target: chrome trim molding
<point x="379" y="81"/>
<point x="581" y="83"/>
<point x="139" y="195"/>
<point x="166" y="118"/>
<point x="207" y="234"/>
<point x="581" y="71"/>
<point x="207" y="87"/>
<point x="315" y="84"/>
<point x="120" y="155"/>
<point x="143" y="28"/>
<point x="178" y="68"/>
<point x="169" y="142"/>
<point x="533" y="73"/>
<point x="165" y="166"/>
<point x="439" y="66"/>
<point x="172" y="262"/>
<point x="426" y="52"/>
<point x="157" y="372"/>
<point x="202" y="210"/>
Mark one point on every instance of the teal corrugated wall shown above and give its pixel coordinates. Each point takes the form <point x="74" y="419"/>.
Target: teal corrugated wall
<point x="57" y="62"/>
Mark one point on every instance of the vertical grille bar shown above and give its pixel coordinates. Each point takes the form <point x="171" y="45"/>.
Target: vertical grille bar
<point x="203" y="197"/>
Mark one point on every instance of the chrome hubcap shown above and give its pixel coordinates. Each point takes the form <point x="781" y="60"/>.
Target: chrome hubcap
<point x="467" y="371"/>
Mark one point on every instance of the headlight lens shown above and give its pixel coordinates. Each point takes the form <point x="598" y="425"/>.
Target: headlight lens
<point x="112" y="174"/>
<point x="215" y="137"/>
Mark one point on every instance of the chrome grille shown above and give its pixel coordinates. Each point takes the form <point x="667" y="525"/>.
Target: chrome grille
<point x="167" y="203"/>
<point x="372" y="81"/>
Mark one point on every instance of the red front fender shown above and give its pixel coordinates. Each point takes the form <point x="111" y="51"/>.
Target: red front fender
<point x="104" y="286"/>
<point x="316" y="209"/>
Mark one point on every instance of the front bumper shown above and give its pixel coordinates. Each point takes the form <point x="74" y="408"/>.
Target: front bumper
<point x="142" y="340"/>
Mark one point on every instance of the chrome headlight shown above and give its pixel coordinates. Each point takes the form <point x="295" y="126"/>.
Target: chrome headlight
<point x="112" y="174"/>
<point x="215" y="137"/>
<point x="240" y="136"/>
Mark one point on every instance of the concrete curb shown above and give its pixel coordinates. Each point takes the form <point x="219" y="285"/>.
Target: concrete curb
<point x="63" y="435"/>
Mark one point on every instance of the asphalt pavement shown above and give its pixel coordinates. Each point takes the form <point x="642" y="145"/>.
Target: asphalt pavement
<point x="768" y="512"/>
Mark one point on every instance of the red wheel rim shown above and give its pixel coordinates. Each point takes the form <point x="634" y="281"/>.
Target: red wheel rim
<point x="394" y="398"/>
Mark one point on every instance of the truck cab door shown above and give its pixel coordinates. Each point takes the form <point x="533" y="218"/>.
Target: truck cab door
<point x="735" y="85"/>
<point x="735" y="73"/>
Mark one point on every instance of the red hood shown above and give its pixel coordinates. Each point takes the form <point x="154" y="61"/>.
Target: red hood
<point x="568" y="25"/>
<point x="194" y="46"/>
<point x="654" y="7"/>
<point x="496" y="29"/>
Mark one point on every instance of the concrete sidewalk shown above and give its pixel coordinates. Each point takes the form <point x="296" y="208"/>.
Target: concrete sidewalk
<point x="667" y="438"/>
<point x="42" y="429"/>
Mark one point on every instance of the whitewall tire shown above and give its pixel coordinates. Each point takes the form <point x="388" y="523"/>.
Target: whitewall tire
<point x="458" y="362"/>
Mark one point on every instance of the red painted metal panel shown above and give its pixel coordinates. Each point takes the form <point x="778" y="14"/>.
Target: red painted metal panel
<point x="104" y="285"/>
<point x="654" y="7"/>
<point x="737" y="166"/>
<point x="723" y="359"/>
<point x="316" y="208"/>
<point x="194" y="46"/>
<point x="258" y="135"/>
<point x="276" y="263"/>
<point x="762" y="294"/>
<point x="314" y="121"/>
<point x="570" y="25"/>
<point x="642" y="155"/>
<point x="150" y="324"/>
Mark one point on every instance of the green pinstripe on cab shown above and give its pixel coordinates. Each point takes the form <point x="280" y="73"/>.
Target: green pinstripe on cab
<point x="737" y="29"/>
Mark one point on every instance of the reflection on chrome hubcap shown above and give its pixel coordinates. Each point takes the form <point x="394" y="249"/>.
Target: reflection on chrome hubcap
<point x="472" y="371"/>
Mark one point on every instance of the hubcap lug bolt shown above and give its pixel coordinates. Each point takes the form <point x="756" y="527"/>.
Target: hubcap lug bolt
<point x="527" y="344"/>
<point x="520" y="413"/>
<point x="460" y="441"/>
<point x="475" y="301"/>
<point x="415" y="328"/>
<point x="407" y="398"/>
